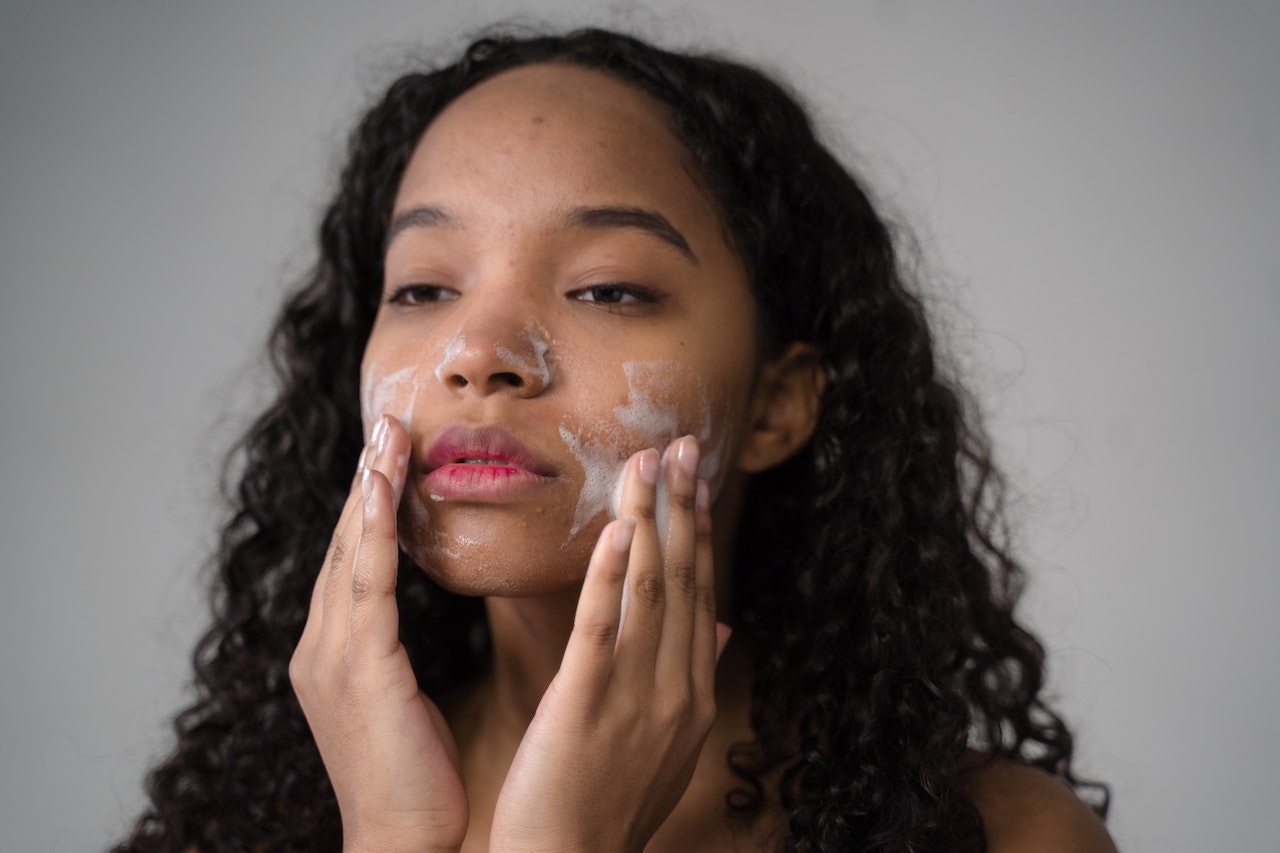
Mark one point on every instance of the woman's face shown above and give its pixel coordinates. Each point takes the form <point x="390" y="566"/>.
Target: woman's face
<point x="558" y="295"/>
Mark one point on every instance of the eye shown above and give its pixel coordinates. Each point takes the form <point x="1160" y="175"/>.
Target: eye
<point x="421" y="294"/>
<point x="616" y="294"/>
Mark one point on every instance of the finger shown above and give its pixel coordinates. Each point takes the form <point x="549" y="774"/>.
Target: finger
<point x="392" y="459"/>
<point x="708" y="636"/>
<point x="374" y="624"/>
<point x="369" y="589"/>
<point x="643" y="596"/>
<point x="589" y="654"/>
<point x="337" y="589"/>
<point x="680" y="568"/>
<point x="315" y="612"/>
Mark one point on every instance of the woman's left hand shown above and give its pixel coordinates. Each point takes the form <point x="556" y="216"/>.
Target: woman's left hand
<point x="615" y="739"/>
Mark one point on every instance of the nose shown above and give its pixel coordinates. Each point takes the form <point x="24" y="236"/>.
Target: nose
<point x="494" y="354"/>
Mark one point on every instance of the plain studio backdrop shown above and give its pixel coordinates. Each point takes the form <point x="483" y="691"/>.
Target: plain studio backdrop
<point x="1096" y="191"/>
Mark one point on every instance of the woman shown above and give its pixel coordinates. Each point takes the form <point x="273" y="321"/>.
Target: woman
<point x="633" y="366"/>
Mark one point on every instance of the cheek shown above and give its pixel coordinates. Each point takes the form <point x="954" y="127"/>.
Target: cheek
<point x="393" y="378"/>
<point x="393" y="393"/>
<point x="663" y="401"/>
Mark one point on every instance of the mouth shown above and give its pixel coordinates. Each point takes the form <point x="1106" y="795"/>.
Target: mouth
<point x="485" y="464"/>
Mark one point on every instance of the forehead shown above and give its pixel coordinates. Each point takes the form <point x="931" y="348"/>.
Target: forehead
<point x="555" y="133"/>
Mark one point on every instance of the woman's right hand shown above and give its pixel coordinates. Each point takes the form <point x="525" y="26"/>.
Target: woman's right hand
<point x="385" y="745"/>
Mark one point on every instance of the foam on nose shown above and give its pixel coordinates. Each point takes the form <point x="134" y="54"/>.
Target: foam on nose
<point x="535" y="362"/>
<point x="452" y="351"/>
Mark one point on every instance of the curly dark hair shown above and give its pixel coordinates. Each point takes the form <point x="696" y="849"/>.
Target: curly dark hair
<point x="886" y="530"/>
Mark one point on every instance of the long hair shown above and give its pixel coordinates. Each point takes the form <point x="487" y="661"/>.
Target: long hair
<point x="874" y="575"/>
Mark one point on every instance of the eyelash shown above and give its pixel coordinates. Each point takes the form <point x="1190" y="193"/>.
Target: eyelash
<point x="633" y="294"/>
<point x="626" y="295"/>
<point x="412" y="294"/>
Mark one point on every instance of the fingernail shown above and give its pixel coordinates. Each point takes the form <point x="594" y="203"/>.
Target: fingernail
<point x="723" y="633"/>
<point x="687" y="455"/>
<point x="380" y="435"/>
<point x="365" y="485"/>
<point x="624" y="530"/>
<point x="364" y="457"/>
<point x="649" y="467"/>
<point x="702" y="496"/>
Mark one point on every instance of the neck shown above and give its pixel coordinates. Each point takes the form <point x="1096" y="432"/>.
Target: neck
<point x="529" y="636"/>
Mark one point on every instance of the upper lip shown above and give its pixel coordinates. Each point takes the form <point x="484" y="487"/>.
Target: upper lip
<point x="459" y="442"/>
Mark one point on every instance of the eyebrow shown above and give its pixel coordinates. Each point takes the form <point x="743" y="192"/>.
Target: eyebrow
<point x="607" y="217"/>
<point x="425" y="216"/>
<point x="633" y="217"/>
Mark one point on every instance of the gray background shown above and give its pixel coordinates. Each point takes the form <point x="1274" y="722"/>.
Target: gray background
<point x="1096" y="191"/>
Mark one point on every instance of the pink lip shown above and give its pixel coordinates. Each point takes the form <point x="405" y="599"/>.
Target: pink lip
<point x="454" y="470"/>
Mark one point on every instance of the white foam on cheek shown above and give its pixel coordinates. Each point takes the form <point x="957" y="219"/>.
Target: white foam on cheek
<point x="642" y="420"/>
<point x="656" y="422"/>
<point x="661" y="422"/>
<point x="713" y="451"/>
<point x="392" y="394"/>
<point x="452" y="351"/>
<point x="601" y="469"/>
<point x="396" y="395"/>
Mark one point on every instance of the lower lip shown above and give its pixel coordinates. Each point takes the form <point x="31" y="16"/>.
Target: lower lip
<point x="482" y="483"/>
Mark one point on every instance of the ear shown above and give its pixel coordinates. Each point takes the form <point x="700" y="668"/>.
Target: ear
<point x="784" y="408"/>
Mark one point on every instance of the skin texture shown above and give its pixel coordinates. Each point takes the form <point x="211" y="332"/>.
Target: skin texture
<point x="502" y="308"/>
<point x="508" y="164"/>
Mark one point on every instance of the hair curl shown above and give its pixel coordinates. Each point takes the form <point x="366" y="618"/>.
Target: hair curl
<point x="885" y="530"/>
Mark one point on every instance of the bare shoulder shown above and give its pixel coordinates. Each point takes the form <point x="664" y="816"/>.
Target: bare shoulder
<point x="1026" y="809"/>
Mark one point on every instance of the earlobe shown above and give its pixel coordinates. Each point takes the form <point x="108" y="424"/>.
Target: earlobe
<point x="784" y="410"/>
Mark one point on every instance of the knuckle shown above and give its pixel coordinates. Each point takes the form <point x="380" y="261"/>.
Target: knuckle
<point x="682" y="501"/>
<point x="705" y="600"/>
<point x="684" y="575"/>
<point x="675" y="707"/>
<point x="600" y="634"/>
<point x="702" y="530"/>
<point x="361" y="587"/>
<point x="338" y="551"/>
<point x="649" y="590"/>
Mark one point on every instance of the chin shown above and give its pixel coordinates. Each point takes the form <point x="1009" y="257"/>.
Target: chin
<point x="497" y="561"/>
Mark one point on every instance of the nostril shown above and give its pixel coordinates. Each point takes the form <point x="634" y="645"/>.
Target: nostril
<point x="489" y="383"/>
